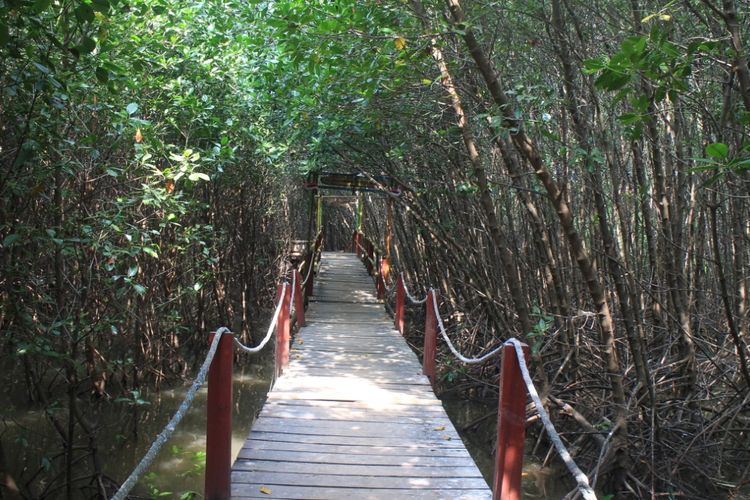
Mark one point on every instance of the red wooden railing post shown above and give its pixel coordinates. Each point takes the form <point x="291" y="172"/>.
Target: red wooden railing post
<point x="355" y="250"/>
<point x="430" y="337"/>
<point x="511" y="427"/>
<point x="283" y="330"/>
<point x="219" y="422"/>
<point x="299" y="300"/>
<point x="398" y="318"/>
<point x="380" y="277"/>
<point x="385" y="268"/>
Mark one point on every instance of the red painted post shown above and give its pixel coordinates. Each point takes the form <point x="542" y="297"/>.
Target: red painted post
<point x="511" y="427"/>
<point x="430" y="337"/>
<point x="219" y="422"/>
<point x="354" y="243"/>
<point x="398" y="318"/>
<point x="385" y="268"/>
<point x="299" y="300"/>
<point x="380" y="280"/>
<point x="283" y="330"/>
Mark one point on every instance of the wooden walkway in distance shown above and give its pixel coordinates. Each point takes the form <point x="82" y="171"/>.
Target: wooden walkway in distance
<point x="352" y="416"/>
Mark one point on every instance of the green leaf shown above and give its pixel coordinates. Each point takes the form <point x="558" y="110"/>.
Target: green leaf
<point x="591" y="66"/>
<point x="634" y="45"/>
<point x="717" y="150"/>
<point x="102" y="75"/>
<point x="4" y="34"/>
<point x="196" y="176"/>
<point x="132" y="108"/>
<point x="84" y="13"/>
<point x="100" y="5"/>
<point x="140" y="289"/>
<point x="151" y="251"/>
<point x="41" y="67"/>
<point x="40" y="6"/>
<point x="87" y="45"/>
<point x="629" y="118"/>
<point x="10" y="239"/>
<point x="612" y="80"/>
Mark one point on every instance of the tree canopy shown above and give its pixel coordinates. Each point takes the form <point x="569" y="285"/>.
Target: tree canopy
<point x="575" y="174"/>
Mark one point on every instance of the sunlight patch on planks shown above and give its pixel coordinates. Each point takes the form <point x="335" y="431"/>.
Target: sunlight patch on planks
<point x="352" y="416"/>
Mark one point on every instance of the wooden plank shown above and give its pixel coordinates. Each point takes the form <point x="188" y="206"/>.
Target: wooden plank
<point x="303" y="452"/>
<point x="395" y="442"/>
<point x="353" y="416"/>
<point x="296" y="492"/>
<point x="339" y="480"/>
<point x="287" y="464"/>
<point x="342" y="406"/>
<point x="360" y="429"/>
<point x="286" y="461"/>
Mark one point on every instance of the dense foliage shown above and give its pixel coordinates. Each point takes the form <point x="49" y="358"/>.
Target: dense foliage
<point x="575" y="173"/>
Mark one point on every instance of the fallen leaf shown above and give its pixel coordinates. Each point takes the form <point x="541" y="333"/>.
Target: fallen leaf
<point x="446" y="438"/>
<point x="138" y="136"/>
<point x="265" y="490"/>
<point x="400" y="43"/>
<point x="300" y="341"/>
<point x="439" y="428"/>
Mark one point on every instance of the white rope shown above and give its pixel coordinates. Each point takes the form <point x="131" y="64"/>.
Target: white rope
<point x="166" y="433"/>
<point x="470" y="361"/>
<point x="581" y="479"/>
<point x="316" y="250"/>
<point x="251" y="350"/>
<point x="309" y="270"/>
<point x="409" y="295"/>
<point x="294" y="289"/>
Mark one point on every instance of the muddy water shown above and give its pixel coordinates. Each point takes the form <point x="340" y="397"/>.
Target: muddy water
<point x="476" y="423"/>
<point x="28" y="438"/>
<point x="179" y="468"/>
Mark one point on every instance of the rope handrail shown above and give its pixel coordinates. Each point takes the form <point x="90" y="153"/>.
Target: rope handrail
<point x="316" y="251"/>
<point x="409" y="296"/>
<point x="294" y="290"/>
<point x="461" y="357"/>
<point x="252" y="350"/>
<point x="169" y="429"/>
<point x="309" y="270"/>
<point x="581" y="479"/>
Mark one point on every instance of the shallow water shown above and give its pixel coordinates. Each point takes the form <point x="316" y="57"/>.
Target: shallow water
<point x="27" y="436"/>
<point x="538" y="482"/>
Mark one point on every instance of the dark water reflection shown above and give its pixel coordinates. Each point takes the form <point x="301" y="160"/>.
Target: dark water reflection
<point x="537" y="483"/>
<point x="179" y="467"/>
<point x="30" y="443"/>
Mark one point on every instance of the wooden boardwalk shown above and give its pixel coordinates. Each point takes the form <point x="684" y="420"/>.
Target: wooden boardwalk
<point x="352" y="416"/>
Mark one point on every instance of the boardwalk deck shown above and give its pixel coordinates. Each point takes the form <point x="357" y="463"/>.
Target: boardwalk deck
<point x="352" y="416"/>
